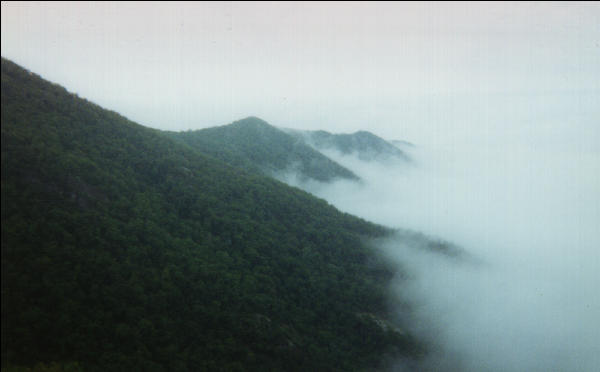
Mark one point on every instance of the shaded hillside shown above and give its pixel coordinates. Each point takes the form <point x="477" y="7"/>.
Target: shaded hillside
<point x="253" y="144"/>
<point x="365" y="145"/>
<point x="125" y="250"/>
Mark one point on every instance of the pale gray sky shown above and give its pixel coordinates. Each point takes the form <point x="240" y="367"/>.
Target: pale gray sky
<point x="424" y="72"/>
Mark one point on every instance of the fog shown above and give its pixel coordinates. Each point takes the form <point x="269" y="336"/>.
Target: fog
<point x="501" y="100"/>
<point x="530" y="302"/>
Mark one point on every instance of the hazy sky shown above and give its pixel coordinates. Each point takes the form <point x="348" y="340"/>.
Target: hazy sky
<point x="424" y="72"/>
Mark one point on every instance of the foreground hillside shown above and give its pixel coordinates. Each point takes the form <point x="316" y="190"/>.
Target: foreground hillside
<point x="253" y="144"/>
<point x="125" y="250"/>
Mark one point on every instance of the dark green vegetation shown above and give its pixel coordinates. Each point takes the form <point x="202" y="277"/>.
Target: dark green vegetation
<point x="253" y="144"/>
<point x="364" y="144"/>
<point x="123" y="250"/>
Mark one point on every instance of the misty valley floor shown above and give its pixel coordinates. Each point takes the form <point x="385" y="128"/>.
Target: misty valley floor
<point x="522" y="298"/>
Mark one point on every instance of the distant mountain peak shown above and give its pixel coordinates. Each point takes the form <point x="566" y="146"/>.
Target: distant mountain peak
<point x="251" y="120"/>
<point x="366" y="145"/>
<point x="253" y="144"/>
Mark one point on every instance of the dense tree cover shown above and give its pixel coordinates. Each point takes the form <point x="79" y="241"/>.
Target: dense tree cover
<point x="124" y="250"/>
<point x="253" y="144"/>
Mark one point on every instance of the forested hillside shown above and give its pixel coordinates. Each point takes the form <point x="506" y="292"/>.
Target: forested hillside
<point x="123" y="250"/>
<point x="253" y="144"/>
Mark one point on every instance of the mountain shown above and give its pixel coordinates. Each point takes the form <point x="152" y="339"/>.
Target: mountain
<point x="123" y="249"/>
<point x="365" y="145"/>
<point x="253" y="144"/>
<point x="402" y="144"/>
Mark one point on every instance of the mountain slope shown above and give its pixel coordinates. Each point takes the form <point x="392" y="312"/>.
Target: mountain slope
<point x="402" y="144"/>
<point x="125" y="250"/>
<point x="365" y="145"/>
<point x="253" y="144"/>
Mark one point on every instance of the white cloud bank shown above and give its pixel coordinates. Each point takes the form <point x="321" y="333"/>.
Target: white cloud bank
<point x="531" y="216"/>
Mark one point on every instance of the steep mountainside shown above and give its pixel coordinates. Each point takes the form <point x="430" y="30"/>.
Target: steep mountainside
<point x="124" y="250"/>
<point x="253" y="144"/>
<point x="365" y="145"/>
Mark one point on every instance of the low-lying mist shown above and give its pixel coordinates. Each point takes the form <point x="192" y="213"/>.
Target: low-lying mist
<point x="531" y="218"/>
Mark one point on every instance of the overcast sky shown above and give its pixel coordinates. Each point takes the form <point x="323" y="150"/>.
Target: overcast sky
<point x="423" y="72"/>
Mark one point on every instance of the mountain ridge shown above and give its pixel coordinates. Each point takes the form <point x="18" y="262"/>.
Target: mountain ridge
<point x="124" y="250"/>
<point x="255" y="145"/>
<point x="364" y="144"/>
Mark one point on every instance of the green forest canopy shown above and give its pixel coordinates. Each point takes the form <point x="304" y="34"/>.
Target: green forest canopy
<point x="123" y="249"/>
